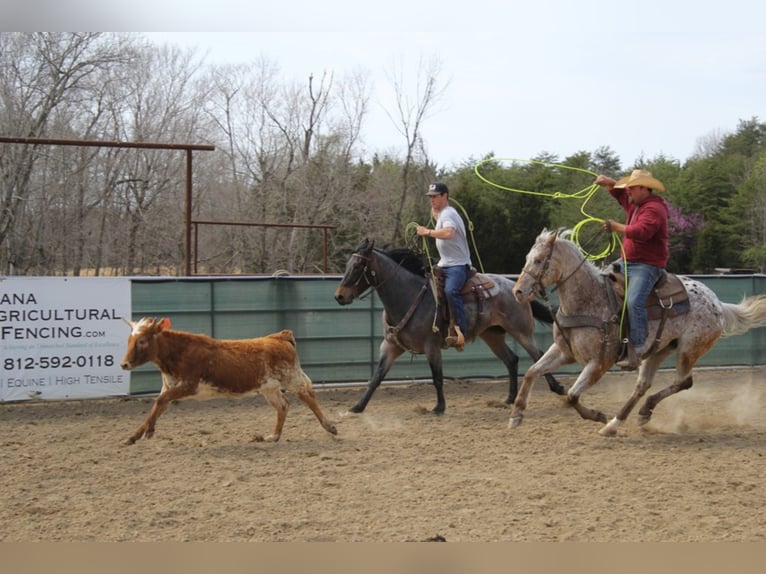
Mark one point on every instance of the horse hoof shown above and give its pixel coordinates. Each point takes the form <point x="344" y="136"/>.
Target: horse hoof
<point x="356" y="409"/>
<point x="515" y="422"/>
<point x="643" y="419"/>
<point x="609" y="429"/>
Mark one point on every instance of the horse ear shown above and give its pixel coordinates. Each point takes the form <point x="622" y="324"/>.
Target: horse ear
<point x="552" y="235"/>
<point x="366" y="245"/>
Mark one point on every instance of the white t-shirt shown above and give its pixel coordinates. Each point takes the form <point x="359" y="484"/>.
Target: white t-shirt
<point x="452" y="251"/>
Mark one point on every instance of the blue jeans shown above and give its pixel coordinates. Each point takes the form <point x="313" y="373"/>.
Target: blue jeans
<point x="454" y="279"/>
<point x="641" y="279"/>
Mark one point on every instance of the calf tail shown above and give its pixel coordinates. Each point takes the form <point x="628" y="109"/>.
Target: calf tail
<point x="541" y="312"/>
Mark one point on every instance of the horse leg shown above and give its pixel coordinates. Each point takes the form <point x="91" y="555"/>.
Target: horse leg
<point x="646" y="372"/>
<point x="495" y="340"/>
<point x="388" y="354"/>
<point x="683" y="381"/>
<point x="532" y="350"/>
<point x="645" y="414"/>
<point x="434" y="355"/>
<point x="588" y="377"/>
<point x="551" y="359"/>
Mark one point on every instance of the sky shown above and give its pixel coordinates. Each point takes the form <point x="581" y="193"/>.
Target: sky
<point x="522" y="78"/>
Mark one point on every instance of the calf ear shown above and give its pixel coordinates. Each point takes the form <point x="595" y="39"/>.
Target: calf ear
<point x="165" y="323"/>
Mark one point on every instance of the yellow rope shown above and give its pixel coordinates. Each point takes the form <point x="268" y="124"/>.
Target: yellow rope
<point x="585" y="194"/>
<point x="410" y="229"/>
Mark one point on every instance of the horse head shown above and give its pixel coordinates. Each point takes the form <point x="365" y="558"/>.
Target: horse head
<point x="358" y="276"/>
<point x="537" y="273"/>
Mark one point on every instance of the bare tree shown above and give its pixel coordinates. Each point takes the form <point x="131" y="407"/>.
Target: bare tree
<point x="45" y="80"/>
<point x="290" y="149"/>
<point x="709" y="144"/>
<point x="160" y="101"/>
<point x="409" y="117"/>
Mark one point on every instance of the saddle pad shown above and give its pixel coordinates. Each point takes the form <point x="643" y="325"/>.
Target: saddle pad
<point x="668" y="291"/>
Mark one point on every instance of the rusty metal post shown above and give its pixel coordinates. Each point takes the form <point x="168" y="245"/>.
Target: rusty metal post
<point x="187" y="226"/>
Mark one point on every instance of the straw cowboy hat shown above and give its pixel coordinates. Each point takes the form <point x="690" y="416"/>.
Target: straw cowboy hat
<point x="640" y="177"/>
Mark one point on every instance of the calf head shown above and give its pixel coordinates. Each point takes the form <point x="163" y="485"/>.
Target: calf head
<point x="142" y="342"/>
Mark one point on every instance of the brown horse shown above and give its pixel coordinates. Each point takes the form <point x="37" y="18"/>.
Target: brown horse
<point x="595" y="344"/>
<point x="399" y="278"/>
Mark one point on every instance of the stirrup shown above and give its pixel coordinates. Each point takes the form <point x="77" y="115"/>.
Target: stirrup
<point x="457" y="340"/>
<point x="628" y="360"/>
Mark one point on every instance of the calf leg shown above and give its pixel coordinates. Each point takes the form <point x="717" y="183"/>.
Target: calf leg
<point x="308" y="396"/>
<point x="161" y="403"/>
<point x="276" y="398"/>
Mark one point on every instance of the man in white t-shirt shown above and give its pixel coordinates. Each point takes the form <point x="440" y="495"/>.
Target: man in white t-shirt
<point x="454" y="255"/>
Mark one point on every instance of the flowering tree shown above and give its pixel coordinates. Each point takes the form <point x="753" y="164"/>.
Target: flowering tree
<point x="682" y="229"/>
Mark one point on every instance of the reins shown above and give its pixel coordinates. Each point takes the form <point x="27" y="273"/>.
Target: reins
<point x="586" y="194"/>
<point x="370" y="276"/>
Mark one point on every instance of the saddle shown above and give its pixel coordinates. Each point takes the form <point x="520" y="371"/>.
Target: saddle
<point x="668" y="296"/>
<point x="478" y="287"/>
<point x="667" y="299"/>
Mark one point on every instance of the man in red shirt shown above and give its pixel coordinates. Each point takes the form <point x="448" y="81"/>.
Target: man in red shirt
<point x="645" y="249"/>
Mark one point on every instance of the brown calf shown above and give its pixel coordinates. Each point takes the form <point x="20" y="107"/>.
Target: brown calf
<point x="200" y="366"/>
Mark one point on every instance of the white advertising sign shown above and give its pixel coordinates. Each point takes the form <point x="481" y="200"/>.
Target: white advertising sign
<point x="63" y="337"/>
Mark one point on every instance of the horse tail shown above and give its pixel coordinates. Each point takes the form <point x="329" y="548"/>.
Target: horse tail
<point x="541" y="312"/>
<point x="749" y="314"/>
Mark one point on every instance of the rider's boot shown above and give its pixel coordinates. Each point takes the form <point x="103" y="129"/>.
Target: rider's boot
<point x="457" y="340"/>
<point x="631" y="357"/>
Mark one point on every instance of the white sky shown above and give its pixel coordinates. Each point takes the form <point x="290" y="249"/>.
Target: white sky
<point x="525" y="77"/>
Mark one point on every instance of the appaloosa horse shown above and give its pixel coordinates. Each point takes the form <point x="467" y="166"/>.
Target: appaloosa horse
<point x="587" y="332"/>
<point x="399" y="277"/>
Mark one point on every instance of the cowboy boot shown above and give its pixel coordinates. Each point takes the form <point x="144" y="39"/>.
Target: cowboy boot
<point x="460" y="343"/>
<point x="457" y="340"/>
<point x="631" y="357"/>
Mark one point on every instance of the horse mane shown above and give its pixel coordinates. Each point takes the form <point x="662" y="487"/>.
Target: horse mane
<point x="409" y="259"/>
<point x="563" y="237"/>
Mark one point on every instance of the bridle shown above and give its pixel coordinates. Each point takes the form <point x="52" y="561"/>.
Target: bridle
<point x="540" y="288"/>
<point x="538" y="285"/>
<point x="367" y="273"/>
<point x="370" y="276"/>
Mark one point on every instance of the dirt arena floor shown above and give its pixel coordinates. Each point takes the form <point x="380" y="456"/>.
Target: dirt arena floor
<point x="394" y="473"/>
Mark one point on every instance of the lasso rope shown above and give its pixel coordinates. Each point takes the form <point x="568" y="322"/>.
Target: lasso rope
<point x="409" y="231"/>
<point x="585" y="194"/>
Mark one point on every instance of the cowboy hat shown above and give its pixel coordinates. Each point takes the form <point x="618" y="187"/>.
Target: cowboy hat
<point x="640" y="177"/>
